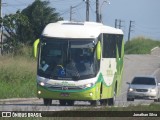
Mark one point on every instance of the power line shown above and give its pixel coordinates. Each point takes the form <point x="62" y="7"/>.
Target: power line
<point x="80" y="17"/>
<point x="92" y="10"/>
<point x="147" y="27"/>
<point x="65" y="12"/>
<point x="71" y="9"/>
<point x="149" y="30"/>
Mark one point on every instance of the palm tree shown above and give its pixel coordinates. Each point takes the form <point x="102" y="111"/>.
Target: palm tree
<point x="40" y="14"/>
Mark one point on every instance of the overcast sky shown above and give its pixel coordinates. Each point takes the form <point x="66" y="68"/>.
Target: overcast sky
<point x="144" y="13"/>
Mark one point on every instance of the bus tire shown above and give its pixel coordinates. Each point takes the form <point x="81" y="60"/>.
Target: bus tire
<point x="62" y="102"/>
<point x="47" y="102"/>
<point x="111" y="101"/>
<point x="70" y="102"/>
<point x="94" y="103"/>
<point x="104" y="102"/>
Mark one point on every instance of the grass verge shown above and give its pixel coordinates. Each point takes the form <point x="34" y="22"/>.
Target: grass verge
<point x="140" y="45"/>
<point x="17" y="77"/>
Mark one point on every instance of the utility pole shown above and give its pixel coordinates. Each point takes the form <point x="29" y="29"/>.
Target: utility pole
<point x="130" y="29"/>
<point x="118" y="23"/>
<point x="0" y="8"/>
<point x="115" y="25"/>
<point x="87" y="10"/>
<point x="71" y="13"/>
<point x="97" y="11"/>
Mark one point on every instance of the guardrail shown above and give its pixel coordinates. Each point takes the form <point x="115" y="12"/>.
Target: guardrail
<point x="155" y="51"/>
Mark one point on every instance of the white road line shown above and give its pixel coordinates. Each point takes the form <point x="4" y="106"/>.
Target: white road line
<point x="156" y="71"/>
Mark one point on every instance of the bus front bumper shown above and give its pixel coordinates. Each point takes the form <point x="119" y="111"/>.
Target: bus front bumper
<point x="92" y="93"/>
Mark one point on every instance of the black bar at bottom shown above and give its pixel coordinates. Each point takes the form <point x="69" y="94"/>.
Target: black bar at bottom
<point x="79" y="113"/>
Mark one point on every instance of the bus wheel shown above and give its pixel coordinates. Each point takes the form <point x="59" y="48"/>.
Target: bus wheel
<point x="104" y="102"/>
<point x="62" y="102"/>
<point x="111" y="101"/>
<point x="47" y="102"/>
<point x="94" y="103"/>
<point x="70" y="102"/>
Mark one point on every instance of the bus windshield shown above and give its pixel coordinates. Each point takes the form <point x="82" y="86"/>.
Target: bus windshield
<point x="67" y="59"/>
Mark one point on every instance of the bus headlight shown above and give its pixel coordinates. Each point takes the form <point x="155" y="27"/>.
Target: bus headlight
<point x="90" y="94"/>
<point x="42" y="83"/>
<point x="87" y="85"/>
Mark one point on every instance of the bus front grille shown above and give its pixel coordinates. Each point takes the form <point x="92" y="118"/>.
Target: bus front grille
<point x="65" y="88"/>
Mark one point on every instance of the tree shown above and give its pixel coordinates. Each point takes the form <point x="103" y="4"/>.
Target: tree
<point x="12" y="24"/>
<point x="27" y="25"/>
<point x="39" y="14"/>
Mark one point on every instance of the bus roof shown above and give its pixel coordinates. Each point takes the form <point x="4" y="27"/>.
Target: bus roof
<point x="67" y="29"/>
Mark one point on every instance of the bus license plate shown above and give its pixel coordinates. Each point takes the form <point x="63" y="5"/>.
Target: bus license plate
<point x="65" y="94"/>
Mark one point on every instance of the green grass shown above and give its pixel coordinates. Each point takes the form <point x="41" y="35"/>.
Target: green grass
<point x="17" y="77"/>
<point x="140" y="45"/>
<point x="151" y="107"/>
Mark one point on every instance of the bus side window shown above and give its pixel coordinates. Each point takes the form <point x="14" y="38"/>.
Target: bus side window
<point x="109" y="46"/>
<point x="119" y="39"/>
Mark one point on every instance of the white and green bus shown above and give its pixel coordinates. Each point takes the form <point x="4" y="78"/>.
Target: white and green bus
<point x="79" y="61"/>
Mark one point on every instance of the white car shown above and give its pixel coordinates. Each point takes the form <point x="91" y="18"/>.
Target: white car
<point x="143" y="87"/>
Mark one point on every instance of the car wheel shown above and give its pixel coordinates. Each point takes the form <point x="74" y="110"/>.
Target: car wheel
<point x="47" y="102"/>
<point x="156" y="100"/>
<point x="130" y="99"/>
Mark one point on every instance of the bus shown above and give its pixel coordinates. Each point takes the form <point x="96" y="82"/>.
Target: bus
<point x="79" y="61"/>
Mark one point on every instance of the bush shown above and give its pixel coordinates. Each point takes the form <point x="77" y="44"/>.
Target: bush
<point x="140" y="45"/>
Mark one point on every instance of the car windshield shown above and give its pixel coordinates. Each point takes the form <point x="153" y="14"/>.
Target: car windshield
<point x="144" y="81"/>
<point x="67" y="58"/>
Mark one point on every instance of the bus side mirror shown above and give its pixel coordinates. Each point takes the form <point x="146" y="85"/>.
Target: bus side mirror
<point x="98" y="50"/>
<point x="128" y="83"/>
<point x="35" y="47"/>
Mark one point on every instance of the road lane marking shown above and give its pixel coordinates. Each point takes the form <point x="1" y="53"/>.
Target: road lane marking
<point x="155" y="72"/>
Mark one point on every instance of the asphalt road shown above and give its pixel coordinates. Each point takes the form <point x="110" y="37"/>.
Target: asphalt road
<point x="133" y="65"/>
